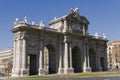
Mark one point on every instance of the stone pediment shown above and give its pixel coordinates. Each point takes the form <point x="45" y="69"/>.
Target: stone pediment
<point x="72" y="17"/>
<point x="72" y="22"/>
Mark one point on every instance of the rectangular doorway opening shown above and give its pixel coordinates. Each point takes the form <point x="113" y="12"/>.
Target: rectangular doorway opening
<point x="33" y="65"/>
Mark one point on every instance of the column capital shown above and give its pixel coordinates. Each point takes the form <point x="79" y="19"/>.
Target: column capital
<point x="18" y="38"/>
<point x="15" y="39"/>
<point x="66" y="41"/>
<point x="22" y="37"/>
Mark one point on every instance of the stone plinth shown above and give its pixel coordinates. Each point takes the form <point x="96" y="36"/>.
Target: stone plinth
<point x="68" y="70"/>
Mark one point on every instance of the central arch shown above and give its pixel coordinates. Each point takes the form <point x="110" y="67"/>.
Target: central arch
<point x="50" y="59"/>
<point x="76" y="60"/>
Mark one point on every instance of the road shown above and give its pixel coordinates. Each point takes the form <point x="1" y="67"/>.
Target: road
<point x="99" y="78"/>
<point x="92" y="78"/>
<point x="83" y="78"/>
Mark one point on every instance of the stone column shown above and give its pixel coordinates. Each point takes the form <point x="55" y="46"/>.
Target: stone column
<point x="66" y="57"/>
<point x="17" y="57"/>
<point x="60" y="69"/>
<point x="66" y="65"/>
<point x="18" y="54"/>
<point x="14" y="57"/>
<point x="41" y="60"/>
<point x="24" y="70"/>
<point x="24" y="54"/>
<point x="70" y="50"/>
<point x="105" y="57"/>
<point x="86" y="58"/>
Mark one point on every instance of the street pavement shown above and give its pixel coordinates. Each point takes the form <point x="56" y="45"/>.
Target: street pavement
<point x="81" y="78"/>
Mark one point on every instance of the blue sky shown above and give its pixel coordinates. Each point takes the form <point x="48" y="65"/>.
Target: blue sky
<point x="104" y="15"/>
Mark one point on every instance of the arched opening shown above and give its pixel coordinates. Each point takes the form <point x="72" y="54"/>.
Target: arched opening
<point x="76" y="60"/>
<point x="50" y="59"/>
<point x="92" y="58"/>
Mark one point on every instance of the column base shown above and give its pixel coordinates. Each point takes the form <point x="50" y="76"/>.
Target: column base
<point x="24" y="72"/>
<point x="18" y="73"/>
<point x="15" y="73"/>
<point x="87" y="69"/>
<point x="99" y="68"/>
<point x="60" y="70"/>
<point x="42" y="71"/>
<point x="68" y="70"/>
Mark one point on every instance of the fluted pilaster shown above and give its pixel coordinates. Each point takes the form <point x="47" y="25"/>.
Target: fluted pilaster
<point x="41" y="60"/>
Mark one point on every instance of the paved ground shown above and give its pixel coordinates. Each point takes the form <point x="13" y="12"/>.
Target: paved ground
<point x="2" y="78"/>
<point x="83" y="78"/>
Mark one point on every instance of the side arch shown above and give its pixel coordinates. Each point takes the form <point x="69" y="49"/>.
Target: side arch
<point x="50" y="56"/>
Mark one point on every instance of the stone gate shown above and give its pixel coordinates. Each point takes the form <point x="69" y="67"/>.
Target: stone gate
<point x="65" y="47"/>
